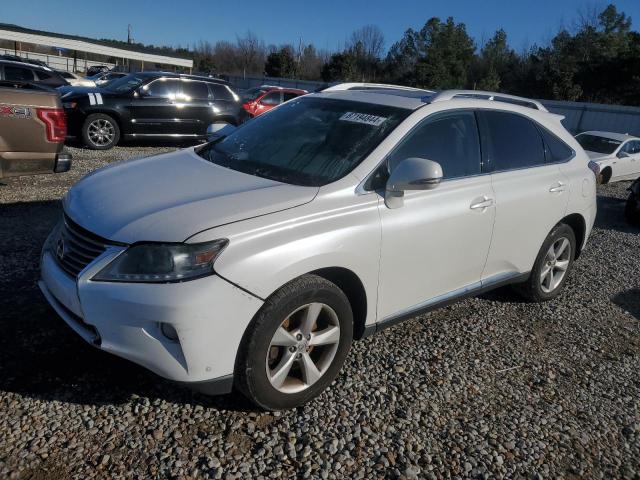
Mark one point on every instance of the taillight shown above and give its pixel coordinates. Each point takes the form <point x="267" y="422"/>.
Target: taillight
<point x="55" y="123"/>
<point x="595" y="168"/>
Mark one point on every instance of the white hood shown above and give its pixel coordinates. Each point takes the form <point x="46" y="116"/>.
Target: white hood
<point x="170" y="197"/>
<point x="597" y="157"/>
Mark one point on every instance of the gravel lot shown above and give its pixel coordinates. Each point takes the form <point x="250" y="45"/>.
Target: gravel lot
<point x="491" y="387"/>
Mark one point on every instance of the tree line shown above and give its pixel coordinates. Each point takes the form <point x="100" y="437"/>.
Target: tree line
<point x="597" y="59"/>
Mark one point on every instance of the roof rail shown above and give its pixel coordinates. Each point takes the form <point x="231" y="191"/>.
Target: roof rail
<point x="491" y="96"/>
<point x="372" y="86"/>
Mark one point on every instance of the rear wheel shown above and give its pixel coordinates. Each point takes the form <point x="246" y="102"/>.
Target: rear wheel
<point x="606" y="175"/>
<point x="552" y="266"/>
<point x="100" y="132"/>
<point x="296" y="345"/>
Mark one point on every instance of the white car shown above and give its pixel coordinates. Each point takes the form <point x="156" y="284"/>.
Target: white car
<point x="255" y="260"/>
<point x="617" y="154"/>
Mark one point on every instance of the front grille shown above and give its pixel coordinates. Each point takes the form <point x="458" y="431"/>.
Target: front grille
<point x="75" y="247"/>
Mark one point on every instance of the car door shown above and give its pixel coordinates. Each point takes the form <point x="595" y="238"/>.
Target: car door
<point x="155" y="110"/>
<point x="435" y="246"/>
<point x="628" y="161"/>
<point x="266" y="103"/>
<point x="634" y="165"/>
<point x="197" y="110"/>
<point x="531" y="194"/>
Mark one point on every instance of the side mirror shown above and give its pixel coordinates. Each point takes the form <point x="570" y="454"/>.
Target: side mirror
<point x="217" y="130"/>
<point x="411" y="174"/>
<point x="623" y="155"/>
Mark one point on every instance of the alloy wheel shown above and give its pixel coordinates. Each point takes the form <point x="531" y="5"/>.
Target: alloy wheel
<point x="303" y="348"/>
<point x="556" y="263"/>
<point x="101" y="132"/>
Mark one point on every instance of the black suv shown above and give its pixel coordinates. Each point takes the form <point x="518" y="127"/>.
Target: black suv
<point x="150" y="105"/>
<point x="26" y="72"/>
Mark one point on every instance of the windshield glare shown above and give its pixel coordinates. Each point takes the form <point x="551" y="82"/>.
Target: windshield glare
<point x="595" y="143"/>
<point x="125" y="84"/>
<point x="308" y="141"/>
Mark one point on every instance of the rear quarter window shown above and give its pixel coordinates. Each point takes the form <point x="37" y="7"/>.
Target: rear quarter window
<point x="220" y="92"/>
<point x="556" y="150"/>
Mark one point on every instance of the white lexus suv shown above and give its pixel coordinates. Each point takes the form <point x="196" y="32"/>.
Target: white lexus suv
<point x="255" y="260"/>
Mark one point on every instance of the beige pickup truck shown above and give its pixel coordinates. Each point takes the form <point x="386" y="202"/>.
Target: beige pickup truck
<point x="32" y="131"/>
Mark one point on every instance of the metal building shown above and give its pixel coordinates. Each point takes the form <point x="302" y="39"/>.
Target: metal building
<point x="78" y="46"/>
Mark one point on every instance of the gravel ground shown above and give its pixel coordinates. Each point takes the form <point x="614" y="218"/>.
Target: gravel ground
<point x="488" y="388"/>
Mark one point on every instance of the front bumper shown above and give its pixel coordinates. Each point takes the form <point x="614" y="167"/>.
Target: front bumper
<point x="210" y="316"/>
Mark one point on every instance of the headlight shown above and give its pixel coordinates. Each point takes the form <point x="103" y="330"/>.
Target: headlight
<point x="69" y="105"/>
<point x="162" y="263"/>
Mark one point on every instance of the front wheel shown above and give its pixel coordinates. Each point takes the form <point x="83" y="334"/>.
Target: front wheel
<point x="552" y="266"/>
<point x="296" y="345"/>
<point x="100" y="132"/>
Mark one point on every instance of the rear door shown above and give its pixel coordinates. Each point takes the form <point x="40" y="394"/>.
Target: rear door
<point x="155" y="110"/>
<point x="197" y="109"/>
<point x="531" y="194"/>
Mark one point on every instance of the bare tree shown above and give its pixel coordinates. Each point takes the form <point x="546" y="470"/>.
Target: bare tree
<point x="252" y="52"/>
<point x="371" y="40"/>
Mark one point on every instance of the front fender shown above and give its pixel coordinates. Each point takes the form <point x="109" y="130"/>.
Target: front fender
<point x="265" y="253"/>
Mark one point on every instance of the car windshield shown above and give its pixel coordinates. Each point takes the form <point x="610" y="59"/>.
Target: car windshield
<point x="308" y="141"/>
<point x="126" y="84"/>
<point x="598" y="144"/>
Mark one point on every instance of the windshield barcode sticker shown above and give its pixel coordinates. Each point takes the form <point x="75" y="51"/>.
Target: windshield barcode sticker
<point x="363" y="118"/>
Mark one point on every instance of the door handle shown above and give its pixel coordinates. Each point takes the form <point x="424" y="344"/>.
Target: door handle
<point x="481" y="203"/>
<point x="558" y="187"/>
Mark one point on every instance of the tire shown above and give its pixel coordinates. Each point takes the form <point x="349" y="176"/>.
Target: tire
<point x="606" y="175"/>
<point x="259" y="361"/>
<point x="631" y="210"/>
<point x="537" y="288"/>
<point x="100" y="132"/>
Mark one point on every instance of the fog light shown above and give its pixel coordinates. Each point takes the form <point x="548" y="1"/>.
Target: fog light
<point x="169" y="332"/>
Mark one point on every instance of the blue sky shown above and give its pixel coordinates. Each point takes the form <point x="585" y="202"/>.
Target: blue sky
<point x="326" y="23"/>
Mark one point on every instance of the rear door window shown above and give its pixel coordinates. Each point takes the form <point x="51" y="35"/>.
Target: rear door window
<point x="272" y="98"/>
<point x="18" y="74"/>
<point x="511" y="141"/>
<point x="451" y="139"/>
<point x="289" y="96"/>
<point x="194" y="90"/>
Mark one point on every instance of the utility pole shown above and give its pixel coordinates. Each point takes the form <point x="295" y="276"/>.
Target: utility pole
<point x="129" y="41"/>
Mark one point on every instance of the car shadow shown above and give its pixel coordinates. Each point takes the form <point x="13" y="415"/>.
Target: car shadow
<point x="629" y="300"/>
<point x="40" y="356"/>
<point x="610" y="215"/>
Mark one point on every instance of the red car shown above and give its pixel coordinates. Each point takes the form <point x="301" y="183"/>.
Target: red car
<point x="261" y="99"/>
